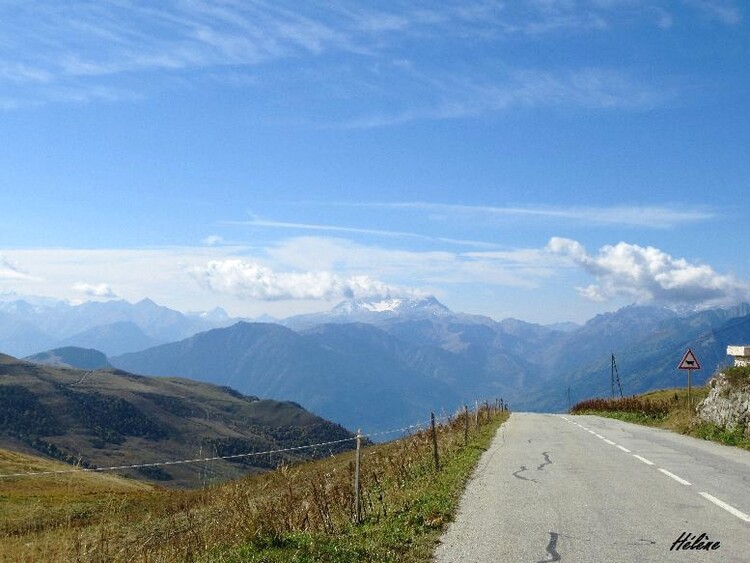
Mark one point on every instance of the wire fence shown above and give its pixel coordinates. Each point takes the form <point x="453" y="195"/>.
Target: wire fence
<point x="325" y="498"/>
<point x="292" y="449"/>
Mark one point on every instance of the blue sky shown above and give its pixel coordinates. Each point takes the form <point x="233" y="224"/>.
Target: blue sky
<point x="546" y="159"/>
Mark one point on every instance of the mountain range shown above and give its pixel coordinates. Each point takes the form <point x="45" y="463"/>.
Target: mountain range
<point x="29" y="326"/>
<point x="385" y="364"/>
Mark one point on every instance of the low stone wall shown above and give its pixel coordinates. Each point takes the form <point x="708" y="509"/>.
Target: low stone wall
<point x="726" y="406"/>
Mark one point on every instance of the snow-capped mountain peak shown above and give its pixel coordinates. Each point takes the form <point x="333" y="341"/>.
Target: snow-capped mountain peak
<point x="392" y="306"/>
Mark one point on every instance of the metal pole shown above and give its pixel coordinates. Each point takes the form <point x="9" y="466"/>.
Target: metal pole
<point x="690" y="399"/>
<point x="357" y="508"/>
<point x="476" y="412"/>
<point x="434" y="442"/>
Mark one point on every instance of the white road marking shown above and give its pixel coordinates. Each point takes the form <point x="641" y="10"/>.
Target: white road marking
<point x="673" y="476"/>
<point x="729" y="508"/>
<point x="643" y="459"/>
<point x="732" y="510"/>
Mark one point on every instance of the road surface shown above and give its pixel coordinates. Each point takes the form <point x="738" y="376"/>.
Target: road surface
<point x="590" y="489"/>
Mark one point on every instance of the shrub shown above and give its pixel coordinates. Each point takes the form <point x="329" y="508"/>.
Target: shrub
<point x="635" y="405"/>
<point x="738" y="375"/>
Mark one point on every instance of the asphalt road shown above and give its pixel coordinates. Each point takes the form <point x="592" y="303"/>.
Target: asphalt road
<point x="589" y="489"/>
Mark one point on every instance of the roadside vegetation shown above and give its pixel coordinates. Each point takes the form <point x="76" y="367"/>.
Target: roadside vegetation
<point x="669" y="409"/>
<point x="738" y="376"/>
<point x="302" y="512"/>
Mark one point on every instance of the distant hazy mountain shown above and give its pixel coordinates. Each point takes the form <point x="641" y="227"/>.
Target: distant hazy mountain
<point x="384" y="363"/>
<point x="72" y="357"/>
<point x="115" y="327"/>
<point x="116" y="338"/>
<point x="108" y="417"/>
<point x="356" y="374"/>
<point x="647" y="342"/>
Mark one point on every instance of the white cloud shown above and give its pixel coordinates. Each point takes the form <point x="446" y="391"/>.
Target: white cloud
<point x="212" y="240"/>
<point x="252" y="280"/>
<point x="97" y="291"/>
<point x="10" y="271"/>
<point x="650" y="275"/>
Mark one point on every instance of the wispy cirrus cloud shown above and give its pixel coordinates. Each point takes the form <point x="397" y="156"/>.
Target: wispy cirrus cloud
<point x="424" y="269"/>
<point x="256" y="221"/>
<point x="448" y="96"/>
<point x="121" y="47"/>
<point x="724" y="11"/>
<point x="654" y="216"/>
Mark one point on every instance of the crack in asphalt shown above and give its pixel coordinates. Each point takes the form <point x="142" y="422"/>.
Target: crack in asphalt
<point x="517" y="476"/>
<point x="547" y="461"/>
<point x="552" y="549"/>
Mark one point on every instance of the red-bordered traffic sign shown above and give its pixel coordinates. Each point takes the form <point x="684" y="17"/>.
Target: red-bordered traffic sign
<point x="689" y="361"/>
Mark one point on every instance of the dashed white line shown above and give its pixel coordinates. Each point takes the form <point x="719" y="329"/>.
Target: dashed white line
<point x="673" y="476"/>
<point x="732" y="510"/>
<point x="720" y="503"/>
<point x="643" y="459"/>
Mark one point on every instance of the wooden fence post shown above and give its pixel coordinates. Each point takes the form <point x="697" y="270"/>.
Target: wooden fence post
<point x="476" y="413"/>
<point x="357" y="507"/>
<point x="466" y="425"/>
<point x="434" y="442"/>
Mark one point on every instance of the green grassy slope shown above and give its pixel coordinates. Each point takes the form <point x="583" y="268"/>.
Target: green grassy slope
<point x="111" y="418"/>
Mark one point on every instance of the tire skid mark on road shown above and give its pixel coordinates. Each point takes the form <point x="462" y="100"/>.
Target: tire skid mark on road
<point x="552" y="549"/>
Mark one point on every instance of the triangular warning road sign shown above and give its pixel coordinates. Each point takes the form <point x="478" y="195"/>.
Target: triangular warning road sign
<point x="689" y="361"/>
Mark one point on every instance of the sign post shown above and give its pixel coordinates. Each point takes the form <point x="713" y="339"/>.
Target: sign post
<point x="689" y="362"/>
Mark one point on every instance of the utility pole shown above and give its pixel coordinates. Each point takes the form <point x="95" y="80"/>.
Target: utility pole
<point x="615" y="378"/>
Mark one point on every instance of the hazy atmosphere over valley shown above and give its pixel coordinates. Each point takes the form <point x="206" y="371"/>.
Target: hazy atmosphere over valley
<point x="460" y="280"/>
<point x="540" y="160"/>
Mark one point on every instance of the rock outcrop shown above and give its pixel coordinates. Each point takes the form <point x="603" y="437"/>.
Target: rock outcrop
<point x="726" y="406"/>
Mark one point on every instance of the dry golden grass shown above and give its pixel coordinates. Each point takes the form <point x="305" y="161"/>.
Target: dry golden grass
<point x="82" y="520"/>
